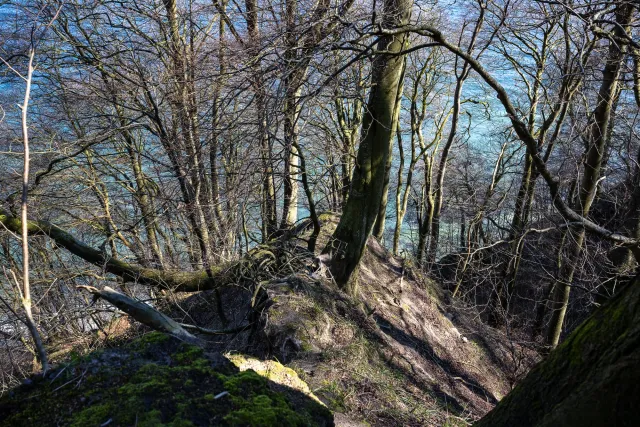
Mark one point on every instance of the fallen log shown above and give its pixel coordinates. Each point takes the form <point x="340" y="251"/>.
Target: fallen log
<point x="183" y="281"/>
<point x="143" y="313"/>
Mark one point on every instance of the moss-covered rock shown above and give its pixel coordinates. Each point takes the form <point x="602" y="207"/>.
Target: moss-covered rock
<point x="157" y="381"/>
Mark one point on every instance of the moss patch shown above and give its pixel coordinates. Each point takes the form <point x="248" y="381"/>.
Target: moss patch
<point x="156" y="381"/>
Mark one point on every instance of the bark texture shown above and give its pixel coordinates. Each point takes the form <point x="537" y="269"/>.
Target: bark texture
<point x="591" y="379"/>
<point x="365" y="196"/>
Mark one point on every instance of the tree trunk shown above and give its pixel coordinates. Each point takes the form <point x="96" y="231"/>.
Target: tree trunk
<point x="424" y="228"/>
<point x="25" y="292"/>
<point x="294" y="74"/>
<point x="442" y="169"/>
<point x="349" y="121"/>
<point x="591" y="379"/>
<point x="349" y="240"/>
<point x="226" y="274"/>
<point x="313" y="214"/>
<point x="379" y="227"/>
<point x="598" y="141"/>
<point x="269" y="212"/>
<point x="216" y="119"/>
<point x="402" y="194"/>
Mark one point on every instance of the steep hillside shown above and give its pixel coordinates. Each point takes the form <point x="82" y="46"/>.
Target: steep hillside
<point x="399" y="353"/>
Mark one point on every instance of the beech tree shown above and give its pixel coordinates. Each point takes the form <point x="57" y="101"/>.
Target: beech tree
<point x="378" y="129"/>
<point x="168" y="141"/>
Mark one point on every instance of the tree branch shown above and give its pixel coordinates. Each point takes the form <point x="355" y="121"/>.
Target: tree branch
<point x="215" y="277"/>
<point x="143" y="313"/>
<point x="525" y="136"/>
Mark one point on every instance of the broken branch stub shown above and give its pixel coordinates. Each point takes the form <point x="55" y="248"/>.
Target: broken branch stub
<point x="143" y="313"/>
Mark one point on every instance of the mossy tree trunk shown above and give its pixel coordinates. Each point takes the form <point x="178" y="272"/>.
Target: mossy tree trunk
<point x="591" y="379"/>
<point x="258" y="260"/>
<point x="380" y="224"/>
<point x="365" y="195"/>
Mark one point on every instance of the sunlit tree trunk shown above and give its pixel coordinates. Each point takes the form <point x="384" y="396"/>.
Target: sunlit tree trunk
<point x="25" y="290"/>
<point x="379" y="226"/>
<point x="348" y="242"/>
<point x="292" y="81"/>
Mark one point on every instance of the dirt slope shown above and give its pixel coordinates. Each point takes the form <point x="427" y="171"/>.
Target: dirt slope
<point x="397" y="354"/>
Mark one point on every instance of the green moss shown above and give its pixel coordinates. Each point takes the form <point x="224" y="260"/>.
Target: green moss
<point x="94" y="415"/>
<point x="262" y="410"/>
<point x="151" y="338"/>
<point x="247" y="382"/>
<point x="580" y="343"/>
<point x="554" y="392"/>
<point x="155" y="381"/>
<point x="189" y="355"/>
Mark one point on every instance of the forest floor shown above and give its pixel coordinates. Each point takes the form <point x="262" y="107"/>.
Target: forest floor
<point x="400" y="353"/>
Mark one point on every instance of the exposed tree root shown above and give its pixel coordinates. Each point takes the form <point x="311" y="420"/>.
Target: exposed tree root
<point x="281" y="257"/>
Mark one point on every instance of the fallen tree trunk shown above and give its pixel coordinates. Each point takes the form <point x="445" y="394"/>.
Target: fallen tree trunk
<point x="592" y="378"/>
<point x="185" y="281"/>
<point x="143" y="313"/>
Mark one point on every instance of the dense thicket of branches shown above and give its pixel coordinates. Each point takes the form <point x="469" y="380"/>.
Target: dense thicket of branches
<point x="493" y="143"/>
